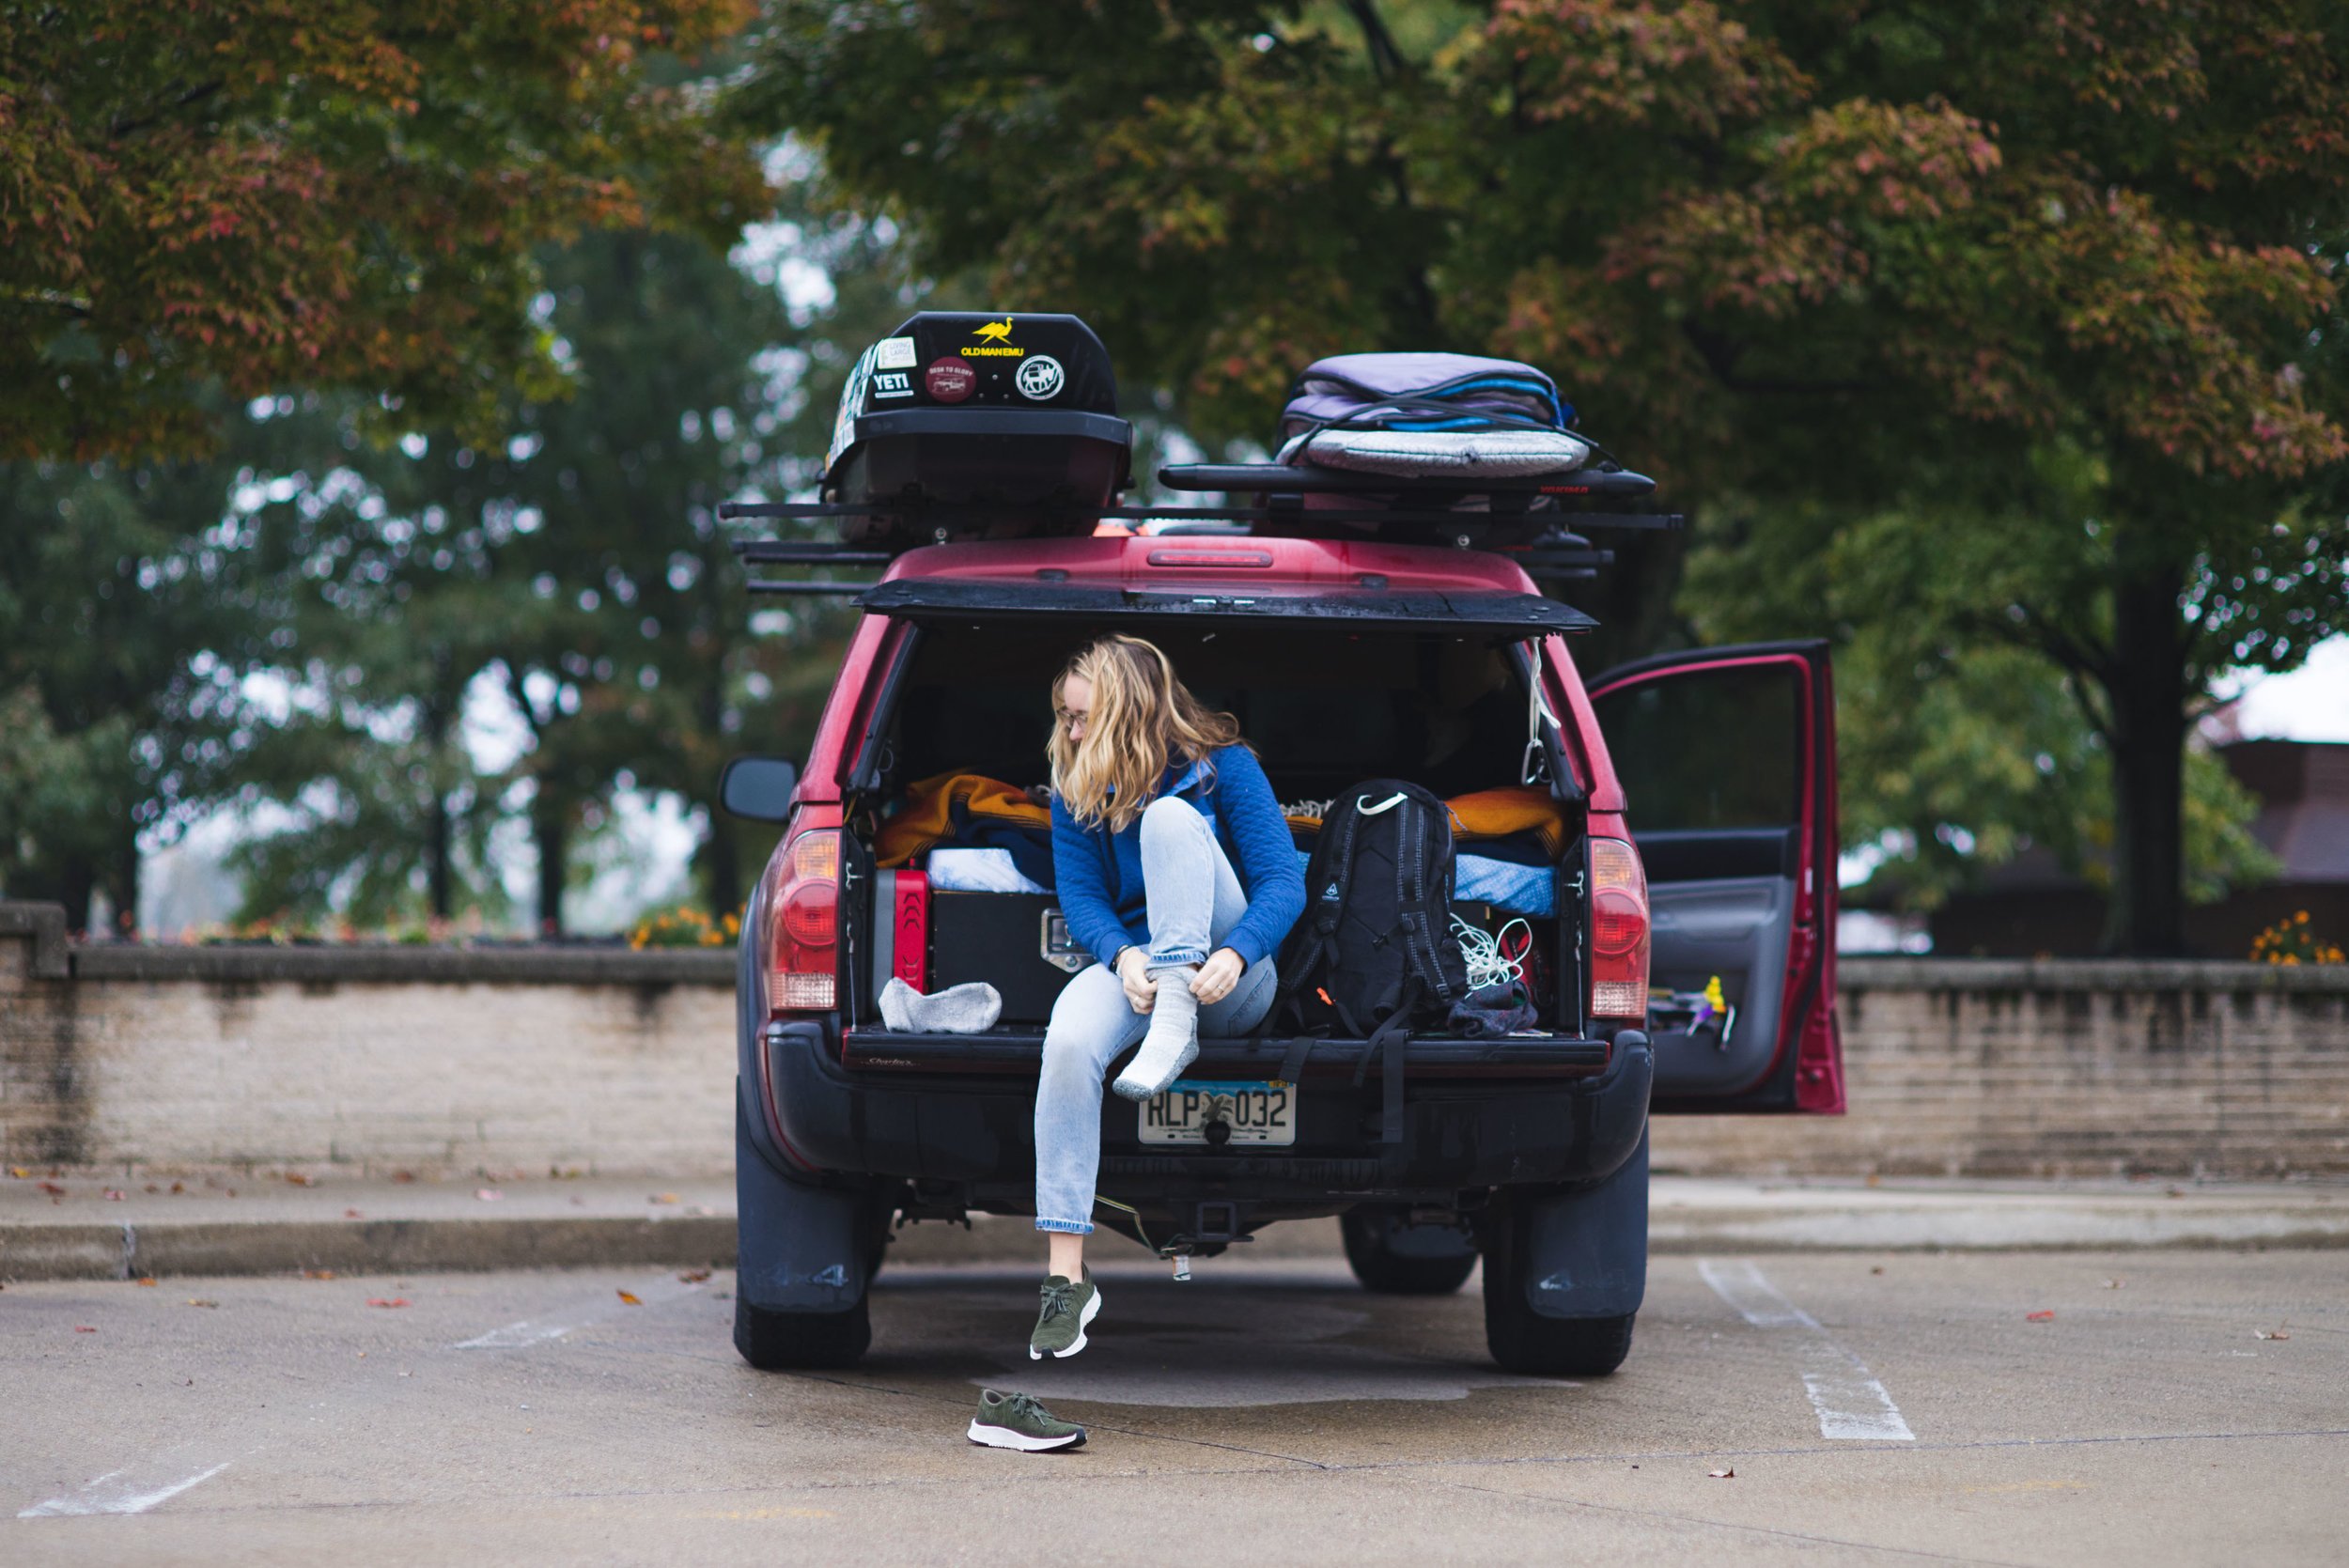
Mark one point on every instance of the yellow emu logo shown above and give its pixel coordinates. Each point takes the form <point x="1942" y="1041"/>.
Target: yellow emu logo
<point x="995" y="332"/>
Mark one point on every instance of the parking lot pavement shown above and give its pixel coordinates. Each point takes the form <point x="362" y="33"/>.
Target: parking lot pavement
<point x="1266" y="1411"/>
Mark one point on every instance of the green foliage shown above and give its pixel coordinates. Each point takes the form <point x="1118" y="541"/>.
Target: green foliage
<point x="1980" y="673"/>
<point x="256" y="193"/>
<point x="1995" y="343"/>
<point x="1963" y="743"/>
<point x="2022" y="316"/>
<point x="131" y="605"/>
<point x="578" y="565"/>
<point x="381" y="817"/>
<point x="1704" y="217"/>
<point x="338" y="214"/>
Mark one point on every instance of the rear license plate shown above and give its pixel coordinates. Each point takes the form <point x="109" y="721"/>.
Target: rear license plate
<point x="1256" y="1112"/>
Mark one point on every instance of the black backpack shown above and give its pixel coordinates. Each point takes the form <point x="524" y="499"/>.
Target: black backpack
<point x="1374" y="950"/>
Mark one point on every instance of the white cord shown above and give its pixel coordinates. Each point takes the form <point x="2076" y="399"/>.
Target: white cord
<point x="1487" y="964"/>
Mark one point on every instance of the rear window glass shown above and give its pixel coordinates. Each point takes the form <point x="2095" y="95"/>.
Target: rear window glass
<point x="1709" y="749"/>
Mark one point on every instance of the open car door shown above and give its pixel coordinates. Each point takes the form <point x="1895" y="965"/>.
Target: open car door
<point x="1727" y="761"/>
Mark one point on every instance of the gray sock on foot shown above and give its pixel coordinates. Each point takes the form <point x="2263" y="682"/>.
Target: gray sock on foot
<point x="956" y="1010"/>
<point x="1173" y="1042"/>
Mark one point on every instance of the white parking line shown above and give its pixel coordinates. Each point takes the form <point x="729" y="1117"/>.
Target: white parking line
<point x="112" y="1493"/>
<point x="121" y="1498"/>
<point x="514" y="1335"/>
<point x="529" y="1330"/>
<point x="1849" y="1401"/>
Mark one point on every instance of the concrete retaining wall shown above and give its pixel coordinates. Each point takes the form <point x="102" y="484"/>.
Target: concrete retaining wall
<point x="1992" y="1067"/>
<point x="372" y="1061"/>
<point x="380" y="1061"/>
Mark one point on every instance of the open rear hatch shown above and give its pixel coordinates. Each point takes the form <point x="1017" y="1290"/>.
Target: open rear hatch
<point x="1331" y="686"/>
<point x="1489" y="617"/>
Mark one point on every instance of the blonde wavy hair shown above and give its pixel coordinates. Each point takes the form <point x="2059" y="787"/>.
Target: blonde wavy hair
<point x="1143" y="719"/>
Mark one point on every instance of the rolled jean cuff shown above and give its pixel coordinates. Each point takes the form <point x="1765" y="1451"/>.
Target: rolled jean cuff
<point x="1066" y="1227"/>
<point x="1175" y="959"/>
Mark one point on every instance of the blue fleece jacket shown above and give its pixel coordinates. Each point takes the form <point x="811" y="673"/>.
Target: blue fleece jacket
<point x="1098" y="874"/>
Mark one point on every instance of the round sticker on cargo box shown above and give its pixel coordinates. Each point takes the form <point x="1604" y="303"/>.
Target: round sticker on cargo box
<point x="1039" y="377"/>
<point x="950" y="381"/>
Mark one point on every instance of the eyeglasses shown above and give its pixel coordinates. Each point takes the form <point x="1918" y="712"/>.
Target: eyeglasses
<point x="1068" y="718"/>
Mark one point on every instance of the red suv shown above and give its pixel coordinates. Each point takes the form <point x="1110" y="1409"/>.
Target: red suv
<point x="1682" y="930"/>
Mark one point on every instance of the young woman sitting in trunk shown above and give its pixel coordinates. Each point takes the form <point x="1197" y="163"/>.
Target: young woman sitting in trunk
<point x="1175" y="867"/>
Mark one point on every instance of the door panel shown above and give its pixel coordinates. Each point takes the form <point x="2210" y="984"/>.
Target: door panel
<point x="1736" y="928"/>
<point x="1726" y="758"/>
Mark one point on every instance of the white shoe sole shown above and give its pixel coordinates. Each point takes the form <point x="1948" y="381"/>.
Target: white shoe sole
<point x="1004" y="1438"/>
<point x="1084" y="1319"/>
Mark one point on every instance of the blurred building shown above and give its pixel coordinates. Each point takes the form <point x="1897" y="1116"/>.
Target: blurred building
<point x="2032" y="906"/>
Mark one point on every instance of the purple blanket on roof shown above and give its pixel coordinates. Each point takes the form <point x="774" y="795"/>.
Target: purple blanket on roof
<point x="1347" y="385"/>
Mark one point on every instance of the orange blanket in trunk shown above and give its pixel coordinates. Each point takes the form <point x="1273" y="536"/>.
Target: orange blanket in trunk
<point x="928" y="815"/>
<point x="1496" y="814"/>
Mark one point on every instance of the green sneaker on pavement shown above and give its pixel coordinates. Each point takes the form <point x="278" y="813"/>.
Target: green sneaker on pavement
<point x="1017" y="1421"/>
<point x="1060" y="1324"/>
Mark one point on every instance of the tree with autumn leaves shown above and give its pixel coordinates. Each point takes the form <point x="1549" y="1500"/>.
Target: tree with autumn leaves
<point x="1997" y="343"/>
<point x="1992" y="332"/>
<point x="237" y="196"/>
<point x="340" y="212"/>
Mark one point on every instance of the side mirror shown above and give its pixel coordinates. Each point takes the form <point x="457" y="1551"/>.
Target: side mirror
<point x="758" y="788"/>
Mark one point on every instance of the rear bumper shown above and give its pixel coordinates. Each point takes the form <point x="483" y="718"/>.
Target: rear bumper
<point x="1477" y="1113"/>
<point x="874" y="1052"/>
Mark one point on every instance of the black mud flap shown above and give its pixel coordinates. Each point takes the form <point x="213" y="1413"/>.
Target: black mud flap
<point x="801" y="1249"/>
<point x="1586" y="1252"/>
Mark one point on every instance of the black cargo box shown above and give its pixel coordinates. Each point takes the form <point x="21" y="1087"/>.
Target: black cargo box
<point x="974" y="426"/>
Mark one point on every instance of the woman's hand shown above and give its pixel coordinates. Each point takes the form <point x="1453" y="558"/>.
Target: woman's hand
<point x="1216" y="976"/>
<point x="1132" y="972"/>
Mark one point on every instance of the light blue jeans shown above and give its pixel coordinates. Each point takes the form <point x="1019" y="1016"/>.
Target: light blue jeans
<point x="1194" y="900"/>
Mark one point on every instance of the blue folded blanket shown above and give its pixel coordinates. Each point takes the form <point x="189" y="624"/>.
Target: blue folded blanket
<point x="1520" y="890"/>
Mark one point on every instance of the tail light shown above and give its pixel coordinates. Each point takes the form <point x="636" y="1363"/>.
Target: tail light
<point x="1619" y="931"/>
<point x="803" y="924"/>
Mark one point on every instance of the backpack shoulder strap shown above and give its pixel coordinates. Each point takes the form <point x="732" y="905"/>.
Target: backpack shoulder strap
<point x="1301" y="956"/>
<point x="1323" y="914"/>
<point x="1418" y="905"/>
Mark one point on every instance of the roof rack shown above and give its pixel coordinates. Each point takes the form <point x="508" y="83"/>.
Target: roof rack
<point x="1536" y="520"/>
<point x="1263" y="478"/>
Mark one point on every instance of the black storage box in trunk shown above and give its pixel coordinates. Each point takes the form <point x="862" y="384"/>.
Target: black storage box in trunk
<point x="1015" y="941"/>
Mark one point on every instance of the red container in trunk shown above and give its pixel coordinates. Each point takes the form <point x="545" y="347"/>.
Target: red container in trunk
<point x="909" y="905"/>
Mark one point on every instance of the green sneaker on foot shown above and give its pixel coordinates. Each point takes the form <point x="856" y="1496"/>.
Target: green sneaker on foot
<point x="1017" y="1421"/>
<point x="1060" y="1325"/>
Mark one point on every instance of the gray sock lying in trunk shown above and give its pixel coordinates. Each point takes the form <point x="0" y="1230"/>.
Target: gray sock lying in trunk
<point x="964" y="1009"/>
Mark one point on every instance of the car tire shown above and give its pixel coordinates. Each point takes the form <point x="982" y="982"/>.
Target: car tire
<point x="881" y="1212"/>
<point x="1382" y="1265"/>
<point x="801" y="1342"/>
<point x="1525" y="1343"/>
